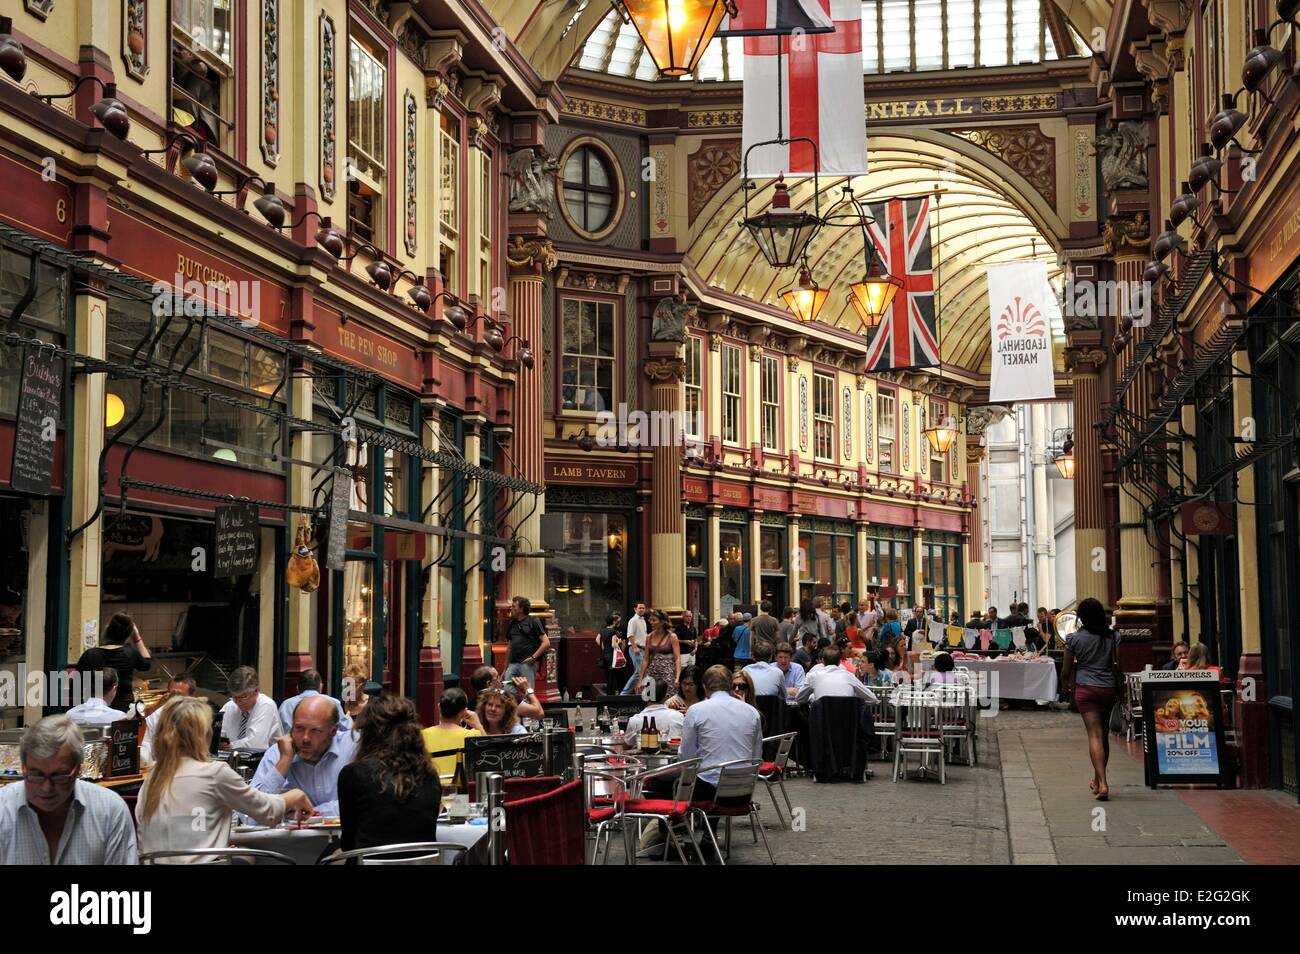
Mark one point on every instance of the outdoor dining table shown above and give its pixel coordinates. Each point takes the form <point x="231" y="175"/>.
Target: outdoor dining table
<point x="305" y="845"/>
<point x="1032" y="681"/>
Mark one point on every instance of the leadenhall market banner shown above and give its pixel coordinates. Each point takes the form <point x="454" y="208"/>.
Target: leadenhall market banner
<point x="1021" y="307"/>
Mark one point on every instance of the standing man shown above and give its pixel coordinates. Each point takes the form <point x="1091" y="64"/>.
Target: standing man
<point x="607" y="639"/>
<point x="250" y="719"/>
<point x="687" y="635"/>
<point x="52" y="817"/>
<point x="743" y="654"/>
<point x="789" y="625"/>
<point x="824" y="620"/>
<point x="766" y="626"/>
<point x="916" y="622"/>
<point x="528" y="642"/>
<point x="636" y="633"/>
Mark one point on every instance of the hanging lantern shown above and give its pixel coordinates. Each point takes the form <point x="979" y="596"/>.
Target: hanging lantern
<point x="805" y="300"/>
<point x="872" y="296"/>
<point x="1226" y="123"/>
<point x="1204" y="169"/>
<point x="943" y="435"/>
<point x="782" y="233"/>
<point x="1065" y="459"/>
<point x="676" y="32"/>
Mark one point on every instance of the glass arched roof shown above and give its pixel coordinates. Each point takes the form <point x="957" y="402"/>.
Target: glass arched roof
<point x="897" y="36"/>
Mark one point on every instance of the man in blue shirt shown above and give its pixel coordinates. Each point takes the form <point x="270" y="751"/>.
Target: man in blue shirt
<point x="741" y="635"/>
<point x="310" y="757"/>
<point x="309" y="681"/>
<point x="792" y="674"/>
<point x="720" y="729"/>
<point x="766" y="675"/>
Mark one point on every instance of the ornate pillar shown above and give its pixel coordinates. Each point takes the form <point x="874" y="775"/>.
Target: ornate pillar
<point x="666" y="371"/>
<point x="1090" y="567"/>
<point x="1044" y="543"/>
<point x="976" y="583"/>
<point x="715" y="558"/>
<point x="795" y="563"/>
<point x="529" y="260"/>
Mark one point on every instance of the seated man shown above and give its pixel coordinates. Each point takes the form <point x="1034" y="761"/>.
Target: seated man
<point x="310" y="757"/>
<point x="309" y="684"/>
<point x="830" y="680"/>
<point x="767" y="675"/>
<point x="98" y="709"/>
<point x="182" y="685"/>
<point x="667" y="721"/>
<point x="792" y="674"/>
<point x="720" y="729"/>
<point x="54" y="818"/>
<point x="486" y="677"/>
<point x="457" y="722"/>
<point x="250" y="719"/>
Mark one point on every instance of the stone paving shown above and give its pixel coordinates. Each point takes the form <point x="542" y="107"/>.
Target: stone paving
<point x="1026" y="802"/>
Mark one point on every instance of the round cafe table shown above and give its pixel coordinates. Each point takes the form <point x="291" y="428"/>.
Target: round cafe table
<point x="305" y="845"/>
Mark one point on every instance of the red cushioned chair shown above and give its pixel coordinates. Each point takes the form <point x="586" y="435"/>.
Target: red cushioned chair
<point x="548" y="829"/>
<point x="772" y="774"/>
<point x="674" y="812"/>
<point x="734" y="798"/>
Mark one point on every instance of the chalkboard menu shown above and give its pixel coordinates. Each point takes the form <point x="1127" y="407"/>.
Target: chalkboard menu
<point x="40" y="402"/>
<point x="336" y="534"/>
<point x="518" y="756"/>
<point x="238" y="540"/>
<point x="124" y="748"/>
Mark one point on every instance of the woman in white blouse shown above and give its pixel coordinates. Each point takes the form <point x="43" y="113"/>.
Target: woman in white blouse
<point x="188" y="800"/>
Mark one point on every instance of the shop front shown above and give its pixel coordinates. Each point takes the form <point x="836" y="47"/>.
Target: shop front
<point x="889" y="570"/>
<point x="942" y="572"/>
<point x="827" y="560"/>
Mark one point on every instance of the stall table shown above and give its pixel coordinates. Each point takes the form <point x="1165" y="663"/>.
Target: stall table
<point x="1032" y="681"/>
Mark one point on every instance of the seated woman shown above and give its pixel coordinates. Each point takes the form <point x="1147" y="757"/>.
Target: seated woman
<point x="688" y="690"/>
<point x="1198" y="657"/>
<point x="496" y="713"/>
<point x="875" y="673"/>
<point x="942" y="674"/>
<point x="188" y="799"/>
<point x="390" y="793"/>
<point x="742" y="687"/>
<point x="897" y="661"/>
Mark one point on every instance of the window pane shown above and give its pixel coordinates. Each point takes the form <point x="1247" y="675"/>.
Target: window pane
<point x="961" y="33"/>
<point x="1025" y="29"/>
<point x="898" y="29"/>
<point x="993" y="32"/>
<point x="929" y="34"/>
<point x="597" y="174"/>
<point x="870" y="46"/>
<point x="773" y="546"/>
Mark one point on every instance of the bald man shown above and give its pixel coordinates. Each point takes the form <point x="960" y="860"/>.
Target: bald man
<point x="311" y="756"/>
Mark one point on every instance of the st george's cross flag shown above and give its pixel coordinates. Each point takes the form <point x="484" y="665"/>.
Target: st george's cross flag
<point x="817" y="85"/>
<point x="1022" y="304"/>
<point x="906" y="336"/>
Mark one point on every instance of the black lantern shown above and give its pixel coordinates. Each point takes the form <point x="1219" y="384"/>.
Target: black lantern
<point x="269" y="206"/>
<point x="13" y="58"/>
<point x="1259" y="62"/>
<point x="328" y="238"/>
<point x="676" y="32"/>
<point x="380" y="273"/>
<point x="1205" y="169"/>
<point x="111" y="113"/>
<point x="1226" y="123"/>
<point x="1183" y="206"/>
<point x="1167" y="241"/>
<point x="201" y="169"/>
<point x="782" y="233"/>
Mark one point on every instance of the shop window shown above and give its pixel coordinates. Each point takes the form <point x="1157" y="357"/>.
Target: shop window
<point x="771" y="375"/>
<point x="938" y="461"/>
<point x="358" y="613"/>
<point x="588" y="361"/>
<point x="587" y="566"/>
<point x="44" y="318"/>
<point x="449" y="210"/>
<point x="731" y="394"/>
<point x="732" y="566"/>
<point x="367" y="128"/>
<point x="590" y="187"/>
<point x="772" y="549"/>
<point x="941" y="566"/>
<point x="696" y="548"/>
<point x="886" y="431"/>
<point x="824" y="416"/>
<point x="202" y="93"/>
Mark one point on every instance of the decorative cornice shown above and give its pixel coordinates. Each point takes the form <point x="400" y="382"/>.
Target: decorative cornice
<point x="607" y="112"/>
<point x="531" y="253"/>
<point x="713" y="118"/>
<point x="664" y="370"/>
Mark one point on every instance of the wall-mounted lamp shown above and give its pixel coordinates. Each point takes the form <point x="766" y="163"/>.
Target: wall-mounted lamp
<point x="109" y="111"/>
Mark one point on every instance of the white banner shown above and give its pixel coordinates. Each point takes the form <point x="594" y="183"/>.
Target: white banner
<point x="1022" y="304"/>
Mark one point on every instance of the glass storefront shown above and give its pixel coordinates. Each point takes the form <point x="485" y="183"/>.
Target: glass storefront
<point x="733" y="563"/>
<point x="889" y="564"/>
<point x="772" y="560"/>
<point x="826" y="561"/>
<point x="697" y="562"/>
<point x="590" y="556"/>
<point x="941" y="572"/>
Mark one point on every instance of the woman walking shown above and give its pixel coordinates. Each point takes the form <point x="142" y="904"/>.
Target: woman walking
<point x="1089" y="670"/>
<point x="663" y="656"/>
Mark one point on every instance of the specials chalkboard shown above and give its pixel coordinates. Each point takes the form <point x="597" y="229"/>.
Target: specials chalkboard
<point x="238" y="540"/>
<point x="336" y="527"/>
<point x="124" y="748"/>
<point x="40" y="404"/>
<point x="518" y="756"/>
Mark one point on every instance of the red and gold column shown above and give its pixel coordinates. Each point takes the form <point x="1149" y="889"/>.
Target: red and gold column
<point x="666" y="371"/>
<point x="1090" y="564"/>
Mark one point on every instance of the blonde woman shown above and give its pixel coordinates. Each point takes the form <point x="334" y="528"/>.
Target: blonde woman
<point x="188" y="799"/>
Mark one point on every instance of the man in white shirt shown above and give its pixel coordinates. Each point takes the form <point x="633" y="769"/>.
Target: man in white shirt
<point x="250" y="719"/>
<point x="636" y="633"/>
<point x="766" y="674"/>
<point x="667" y="721"/>
<point x="98" y="709"/>
<point x="182" y="685"/>
<point x="309" y="684"/>
<point x="831" y="680"/>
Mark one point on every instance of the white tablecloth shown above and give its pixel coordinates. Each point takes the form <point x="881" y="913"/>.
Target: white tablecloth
<point x="306" y="844"/>
<point x="1034" y="681"/>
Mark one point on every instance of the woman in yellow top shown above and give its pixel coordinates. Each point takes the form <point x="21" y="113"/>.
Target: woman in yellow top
<point x="458" y="722"/>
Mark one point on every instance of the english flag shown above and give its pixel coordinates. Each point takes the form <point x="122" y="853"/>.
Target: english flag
<point x="906" y="336"/>
<point x="818" y="84"/>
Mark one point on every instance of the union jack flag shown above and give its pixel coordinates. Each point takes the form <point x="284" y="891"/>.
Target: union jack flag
<point x="906" y="336"/>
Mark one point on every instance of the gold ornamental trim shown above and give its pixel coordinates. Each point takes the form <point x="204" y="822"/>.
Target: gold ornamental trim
<point x="608" y="112"/>
<point x="664" y="370"/>
<point x="529" y="253"/>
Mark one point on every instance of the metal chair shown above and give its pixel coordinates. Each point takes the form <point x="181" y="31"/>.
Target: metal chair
<point x="736" y="781"/>
<point x="1131" y="707"/>
<point x="919" y="731"/>
<point x="673" y="812"/>
<point x="222" y="856"/>
<point x="605" y="810"/>
<point x="883" y="717"/>
<point x="956" y="720"/>
<point x="773" y="773"/>
<point x="415" y="853"/>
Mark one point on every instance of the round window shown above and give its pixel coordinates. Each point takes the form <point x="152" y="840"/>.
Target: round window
<point x="590" y="189"/>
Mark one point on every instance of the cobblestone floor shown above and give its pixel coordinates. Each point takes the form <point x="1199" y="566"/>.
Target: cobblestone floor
<point x="1026" y="802"/>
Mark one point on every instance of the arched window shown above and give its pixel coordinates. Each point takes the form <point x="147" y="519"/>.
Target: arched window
<point x="590" y="189"/>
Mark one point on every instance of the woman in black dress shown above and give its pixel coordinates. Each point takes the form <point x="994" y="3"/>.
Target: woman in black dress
<point x="390" y="794"/>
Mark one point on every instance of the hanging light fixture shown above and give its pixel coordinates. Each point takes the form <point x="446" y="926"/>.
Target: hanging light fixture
<point x="806" y="298"/>
<point x="1167" y="241"/>
<point x="1065" y="459"/>
<point x="269" y="206"/>
<point x="13" y="58"/>
<point x="1204" y="169"/>
<point x="676" y="32"/>
<point x="201" y="169"/>
<point x="942" y="435"/>
<point x="1184" y="206"/>
<point x="1227" y="122"/>
<point x="781" y="233"/>
<point x="114" y="410"/>
<point x="1259" y="62"/>
<point x="872" y="296"/>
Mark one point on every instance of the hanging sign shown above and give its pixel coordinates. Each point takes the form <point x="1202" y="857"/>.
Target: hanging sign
<point x="238" y="540"/>
<point x="1021" y="308"/>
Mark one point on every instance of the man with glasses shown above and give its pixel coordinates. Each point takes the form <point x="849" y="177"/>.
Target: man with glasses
<point x="310" y="757"/>
<point x="250" y="719"/>
<point x="54" y="817"/>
